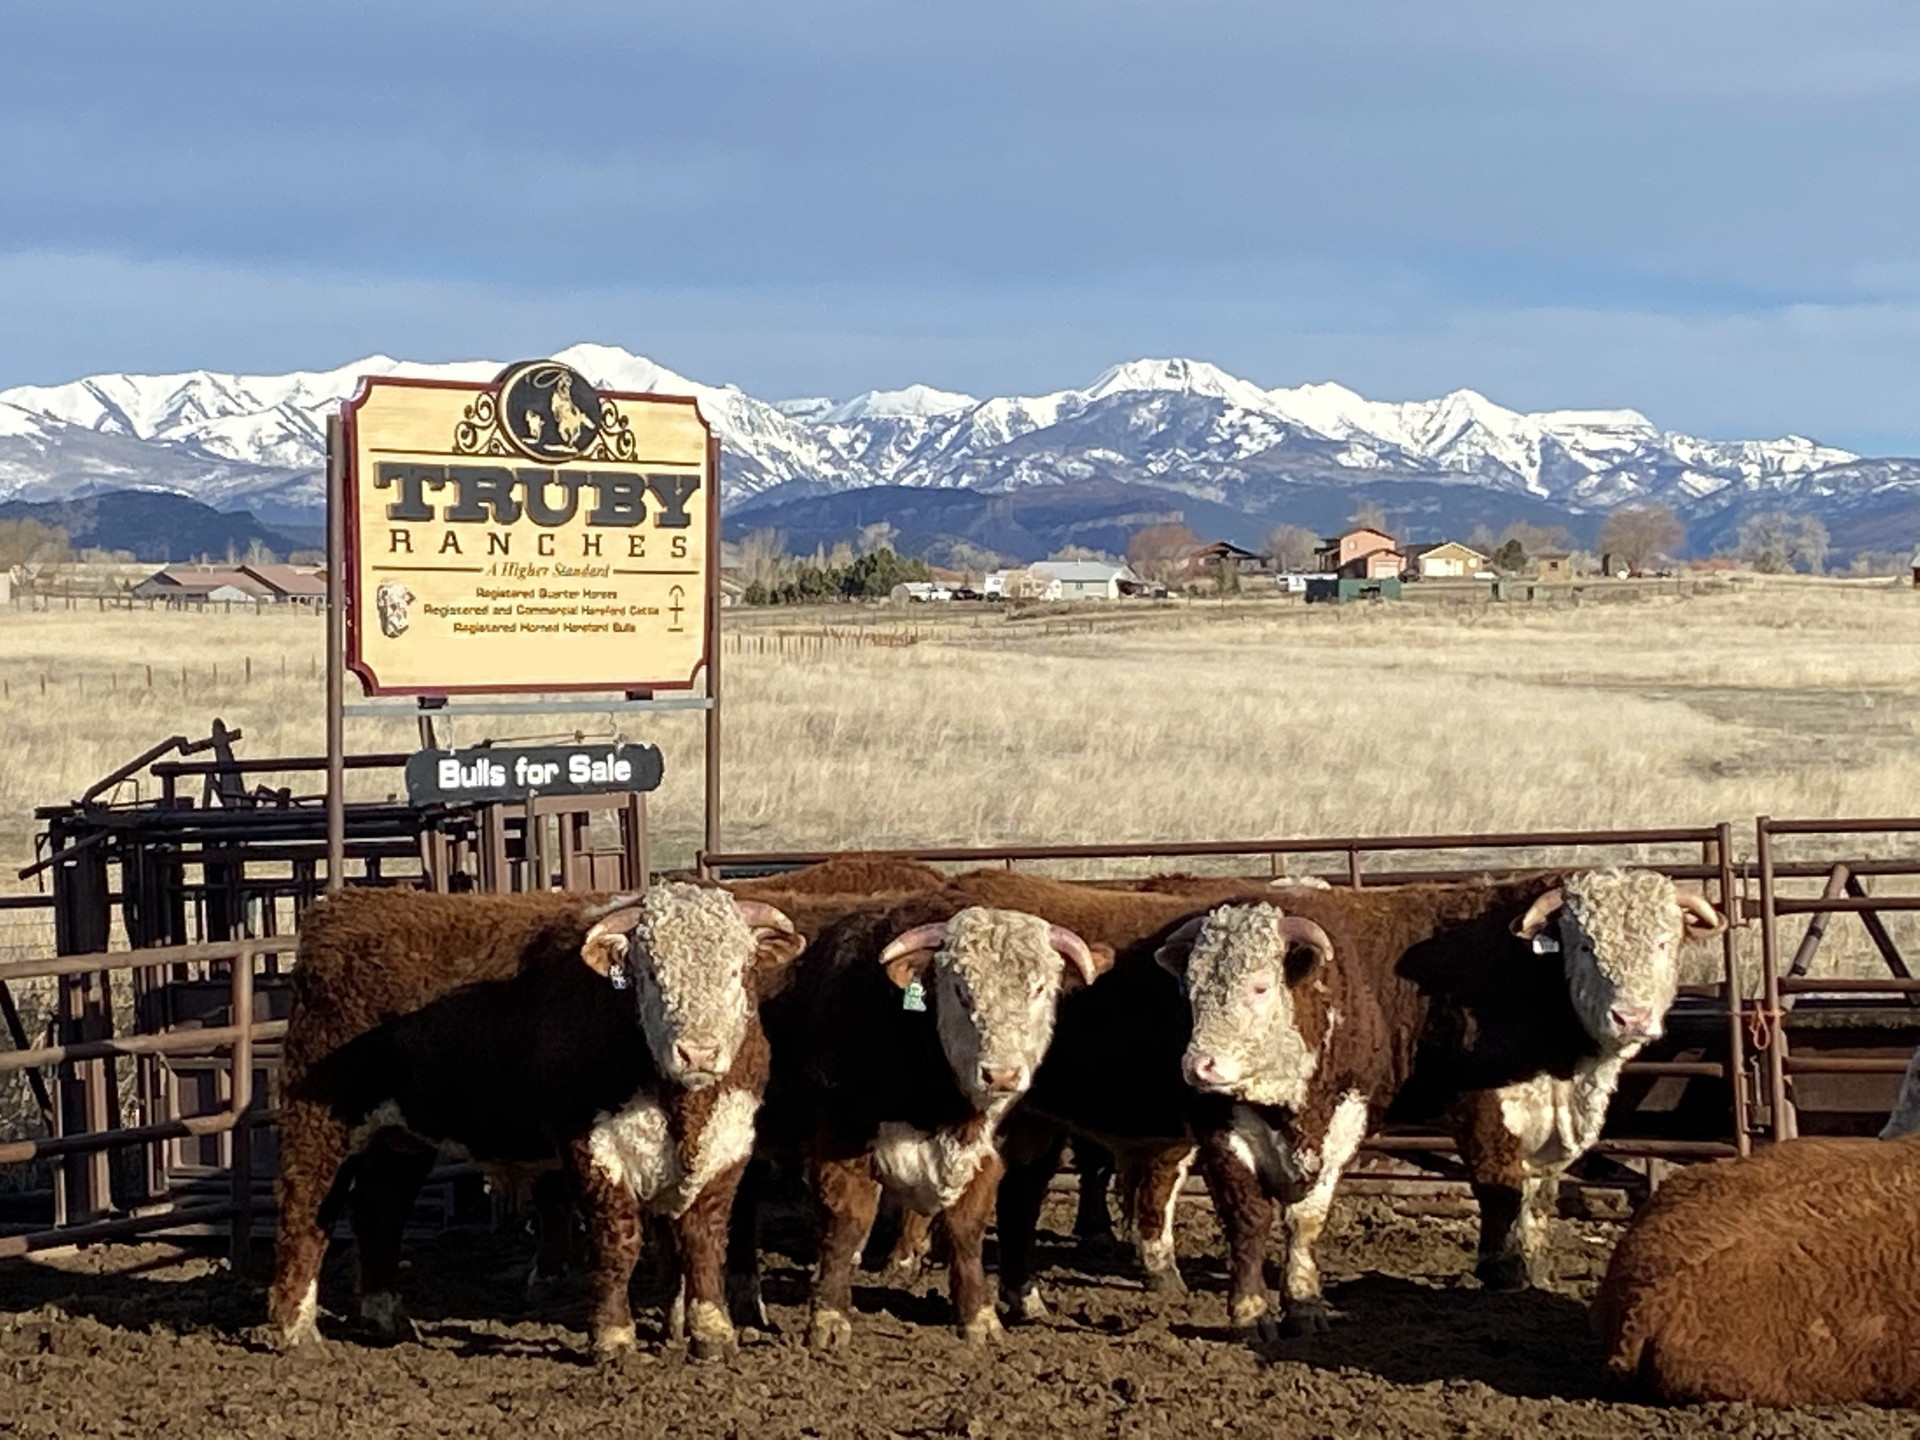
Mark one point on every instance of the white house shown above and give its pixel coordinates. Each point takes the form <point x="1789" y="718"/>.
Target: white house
<point x="1083" y="579"/>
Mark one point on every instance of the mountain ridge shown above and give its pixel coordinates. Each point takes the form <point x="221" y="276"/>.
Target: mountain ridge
<point x="1173" y="424"/>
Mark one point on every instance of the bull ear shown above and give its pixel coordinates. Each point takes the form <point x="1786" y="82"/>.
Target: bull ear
<point x="1177" y="948"/>
<point x="1308" y="948"/>
<point x="608" y="941"/>
<point x="776" y="941"/>
<point x="909" y="954"/>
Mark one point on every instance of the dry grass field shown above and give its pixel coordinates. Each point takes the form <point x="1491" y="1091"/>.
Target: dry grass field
<point x="1177" y="723"/>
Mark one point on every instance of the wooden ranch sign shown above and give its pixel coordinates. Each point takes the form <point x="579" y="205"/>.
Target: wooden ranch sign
<point x="532" y="534"/>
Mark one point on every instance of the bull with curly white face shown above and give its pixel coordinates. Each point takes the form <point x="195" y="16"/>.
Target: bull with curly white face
<point x="899" y="1046"/>
<point x="1319" y="1016"/>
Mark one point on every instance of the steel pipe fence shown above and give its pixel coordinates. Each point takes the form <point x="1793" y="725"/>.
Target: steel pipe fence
<point x="1737" y="1047"/>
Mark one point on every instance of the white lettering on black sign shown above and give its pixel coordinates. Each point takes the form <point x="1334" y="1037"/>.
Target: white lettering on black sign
<point x="489" y="774"/>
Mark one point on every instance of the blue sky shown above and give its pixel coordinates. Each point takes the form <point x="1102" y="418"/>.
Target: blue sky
<point x="1706" y="209"/>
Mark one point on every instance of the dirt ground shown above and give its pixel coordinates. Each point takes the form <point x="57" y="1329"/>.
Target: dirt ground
<point x="132" y="1341"/>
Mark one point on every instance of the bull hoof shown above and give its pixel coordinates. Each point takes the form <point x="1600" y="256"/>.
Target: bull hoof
<point x="828" y="1332"/>
<point x="903" y="1272"/>
<point x="982" y="1329"/>
<point x="1025" y="1306"/>
<point x="544" y="1286"/>
<point x="1253" y="1320"/>
<point x="745" y="1302"/>
<point x="1306" y="1317"/>
<point x="383" y="1314"/>
<point x="1503" y="1272"/>
<point x="1166" y="1282"/>
<point x="613" y="1343"/>
<point x="712" y="1334"/>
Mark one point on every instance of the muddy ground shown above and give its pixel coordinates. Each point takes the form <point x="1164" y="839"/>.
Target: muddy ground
<point x="133" y="1341"/>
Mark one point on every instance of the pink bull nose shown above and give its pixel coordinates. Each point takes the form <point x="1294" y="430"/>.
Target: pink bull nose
<point x="697" y="1057"/>
<point x="1212" y="1070"/>
<point x="1632" y="1019"/>
<point x="1000" y="1079"/>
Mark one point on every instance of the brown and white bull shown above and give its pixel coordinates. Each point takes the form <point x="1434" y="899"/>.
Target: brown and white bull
<point x="899" y="1044"/>
<point x="1506" y="1011"/>
<point x="619" y="1035"/>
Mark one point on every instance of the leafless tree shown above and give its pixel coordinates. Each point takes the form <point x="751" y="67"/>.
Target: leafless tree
<point x="1291" y="547"/>
<point x="1635" y="535"/>
<point x="1160" y="552"/>
<point x="1776" y="543"/>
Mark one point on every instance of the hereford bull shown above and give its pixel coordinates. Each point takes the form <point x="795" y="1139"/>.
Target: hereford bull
<point x="901" y="1042"/>
<point x="1112" y="1074"/>
<point x="1504" y="1010"/>
<point x="619" y="1034"/>
<point x="1789" y="1277"/>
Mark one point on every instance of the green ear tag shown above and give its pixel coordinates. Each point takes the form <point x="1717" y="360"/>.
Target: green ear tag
<point x="914" y="997"/>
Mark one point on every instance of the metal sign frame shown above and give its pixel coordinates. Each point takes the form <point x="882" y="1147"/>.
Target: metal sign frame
<point x="444" y="701"/>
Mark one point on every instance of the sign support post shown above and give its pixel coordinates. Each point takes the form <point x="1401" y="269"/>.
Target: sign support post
<point x="711" y="843"/>
<point x="530" y="537"/>
<point x="336" y="653"/>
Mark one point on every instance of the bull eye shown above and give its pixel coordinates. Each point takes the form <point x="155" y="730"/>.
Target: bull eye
<point x="1261" y="984"/>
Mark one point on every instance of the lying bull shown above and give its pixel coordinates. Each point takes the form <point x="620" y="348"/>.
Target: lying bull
<point x="1505" y="1010"/>
<point x="619" y="1035"/>
<point x="900" y="1044"/>
<point x="1789" y="1277"/>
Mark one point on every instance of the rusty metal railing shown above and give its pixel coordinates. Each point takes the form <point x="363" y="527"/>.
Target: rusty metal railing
<point x="238" y="1118"/>
<point x="1719" y="1003"/>
<point x="1844" y="892"/>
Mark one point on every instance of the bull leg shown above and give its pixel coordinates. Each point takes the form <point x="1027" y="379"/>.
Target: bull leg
<point x="1031" y="1155"/>
<point x="313" y="1146"/>
<point x="1246" y="1214"/>
<point x="744" y="1300"/>
<point x="1307" y="1311"/>
<point x="553" y="1234"/>
<point x="387" y="1176"/>
<point x="967" y="1274"/>
<point x="1154" y="1198"/>
<point x="911" y="1249"/>
<point x="613" y="1244"/>
<point x="702" y="1233"/>
<point x="1092" y="1221"/>
<point x="1501" y="1187"/>
<point x="848" y="1198"/>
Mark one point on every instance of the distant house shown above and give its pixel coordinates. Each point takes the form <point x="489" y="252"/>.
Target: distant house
<point x="1209" y="560"/>
<point x="1363" y="554"/>
<point x="1447" y="560"/>
<point x="190" y="585"/>
<point x="1081" y="579"/>
<point x="289" y="584"/>
<point x="1553" y="565"/>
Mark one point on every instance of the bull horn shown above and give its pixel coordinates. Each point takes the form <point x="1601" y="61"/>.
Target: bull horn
<point x="1538" y="913"/>
<point x="921" y="937"/>
<point x="1298" y="930"/>
<point x="1712" y="922"/>
<point x="759" y="915"/>
<point x="1073" y="948"/>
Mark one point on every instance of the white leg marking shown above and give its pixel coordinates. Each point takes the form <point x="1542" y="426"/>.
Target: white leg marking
<point x="306" y="1320"/>
<point x="1345" y="1131"/>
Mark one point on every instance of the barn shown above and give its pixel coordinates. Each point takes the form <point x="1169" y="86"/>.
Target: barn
<point x="1082" y="579"/>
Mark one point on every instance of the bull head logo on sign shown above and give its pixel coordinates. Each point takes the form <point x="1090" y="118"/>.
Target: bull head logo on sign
<point x="391" y="601"/>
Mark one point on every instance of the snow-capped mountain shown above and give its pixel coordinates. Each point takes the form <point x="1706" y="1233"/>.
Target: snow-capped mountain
<point x="256" y="441"/>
